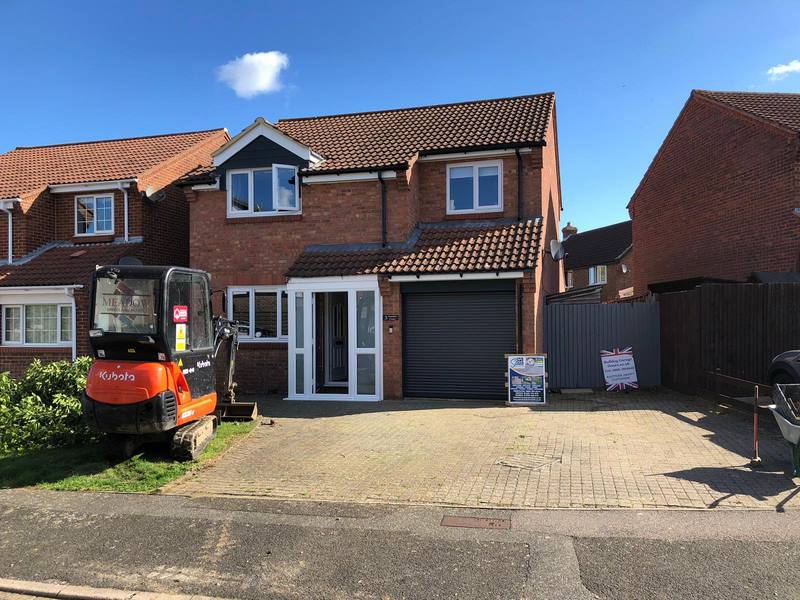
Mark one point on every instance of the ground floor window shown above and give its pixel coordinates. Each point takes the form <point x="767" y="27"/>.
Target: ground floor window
<point x="261" y="311"/>
<point x="37" y="324"/>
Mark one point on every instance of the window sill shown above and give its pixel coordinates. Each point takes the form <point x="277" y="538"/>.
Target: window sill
<point x="493" y="214"/>
<point x="264" y="218"/>
<point x="95" y="238"/>
<point x="7" y="348"/>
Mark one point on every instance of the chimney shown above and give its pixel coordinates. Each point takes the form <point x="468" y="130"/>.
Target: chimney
<point x="569" y="230"/>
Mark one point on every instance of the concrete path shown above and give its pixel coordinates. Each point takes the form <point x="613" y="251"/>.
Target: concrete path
<point x="642" y="450"/>
<point x="256" y="548"/>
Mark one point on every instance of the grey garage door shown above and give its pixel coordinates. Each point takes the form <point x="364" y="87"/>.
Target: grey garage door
<point x="455" y="336"/>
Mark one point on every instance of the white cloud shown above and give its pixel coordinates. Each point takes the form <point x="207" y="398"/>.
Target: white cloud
<point x="254" y="73"/>
<point x="780" y="71"/>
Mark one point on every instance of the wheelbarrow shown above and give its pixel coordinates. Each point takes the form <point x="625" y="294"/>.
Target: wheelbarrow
<point x="786" y="408"/>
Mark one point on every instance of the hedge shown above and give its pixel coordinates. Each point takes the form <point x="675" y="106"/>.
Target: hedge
<point x="43" y="409"/>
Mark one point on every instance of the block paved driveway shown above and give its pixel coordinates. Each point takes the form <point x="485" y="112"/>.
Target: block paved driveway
<point x="642" y="450"/>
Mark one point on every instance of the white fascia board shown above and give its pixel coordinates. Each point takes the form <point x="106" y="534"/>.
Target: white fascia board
<point x="60" y="294"/>
<point x="475" y="154"/>
<point x="93" y="186"/>
<point x="8" y="203"/>
<point x="345" y="282"/>
<point x="341" y="177"/>
<point x="457" y="276"/>
<point x="262" y="127"/>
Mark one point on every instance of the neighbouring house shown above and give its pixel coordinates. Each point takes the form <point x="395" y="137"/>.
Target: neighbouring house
<point x="64" y="209"/>
<point x="719" y="200"/>
<point x="600" y="257"/>
<point x="386" y="254"/>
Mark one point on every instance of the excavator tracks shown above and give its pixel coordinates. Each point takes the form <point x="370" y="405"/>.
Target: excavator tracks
<point x="189" y="441"/>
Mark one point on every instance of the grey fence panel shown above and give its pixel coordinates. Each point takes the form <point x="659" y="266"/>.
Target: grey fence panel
<point x="575" y="334"/>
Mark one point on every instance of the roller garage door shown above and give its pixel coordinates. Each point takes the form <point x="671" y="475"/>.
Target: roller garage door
<point x="455" y="336"/>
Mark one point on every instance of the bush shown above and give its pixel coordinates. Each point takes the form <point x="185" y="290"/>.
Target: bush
<point x="43" y="409"/>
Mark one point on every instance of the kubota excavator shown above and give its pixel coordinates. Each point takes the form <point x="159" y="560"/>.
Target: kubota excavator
<point x="156" y="347"/>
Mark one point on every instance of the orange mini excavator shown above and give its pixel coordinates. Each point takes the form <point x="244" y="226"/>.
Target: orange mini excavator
<point x="156" y="346"/>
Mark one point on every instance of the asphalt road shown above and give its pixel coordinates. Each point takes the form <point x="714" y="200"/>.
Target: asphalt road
<point x="248" y="548"/>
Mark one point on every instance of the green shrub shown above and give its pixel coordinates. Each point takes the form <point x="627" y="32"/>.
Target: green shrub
<point x="43" y="409"/>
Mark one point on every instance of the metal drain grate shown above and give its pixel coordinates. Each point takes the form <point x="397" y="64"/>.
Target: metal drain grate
<point x="527" y="461"/>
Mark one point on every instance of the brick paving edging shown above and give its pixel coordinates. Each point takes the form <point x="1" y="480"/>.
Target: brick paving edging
<point x="645" y="450"/>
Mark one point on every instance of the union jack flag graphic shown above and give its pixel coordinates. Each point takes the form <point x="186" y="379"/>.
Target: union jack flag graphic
<point x="620" y="386"/>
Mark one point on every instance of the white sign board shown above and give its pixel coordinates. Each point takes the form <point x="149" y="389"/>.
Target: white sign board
<point x="619" y="369"/>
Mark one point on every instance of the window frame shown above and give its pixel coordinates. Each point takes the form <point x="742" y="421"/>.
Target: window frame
<point x="476" y="208"/>
<point x="273" y="169"/>
<point x="23" y="341"/>
<point x="569" y="282"/>
<point x="94" y="198"/>
<point x="251" y="291"/>
<point x="594" y="272"/>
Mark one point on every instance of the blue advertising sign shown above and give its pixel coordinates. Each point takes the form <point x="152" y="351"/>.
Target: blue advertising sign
<point x="526" y="379"/>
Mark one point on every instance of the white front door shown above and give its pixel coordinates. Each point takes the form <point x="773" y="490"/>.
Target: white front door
<point x="361" y="315"/>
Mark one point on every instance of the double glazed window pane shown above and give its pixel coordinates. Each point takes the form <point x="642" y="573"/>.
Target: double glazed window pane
<point x="240" y="311"/>
<point x="266" y="315"/>
<point x="365" y="319"/>
<point x="285" y="186"/>
<point x="365" y="374"/>
<point x="240" y="192"/>
<point x="488" y="187"/>
<point x="41" y="324"/>
<point x="103" y="214"/>
<point x="262" y="191"/>
<point x="12" y="327"/>
<point x="66" y="323"/>
<point x="461" y="188"/>
<point x="85" y="215"/>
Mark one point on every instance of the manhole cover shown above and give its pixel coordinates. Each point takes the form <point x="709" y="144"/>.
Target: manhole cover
<point x="527" y="461"/>
<point x="476" y="522"/>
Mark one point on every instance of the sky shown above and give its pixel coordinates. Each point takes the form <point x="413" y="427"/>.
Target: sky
<point x="621" y="71"/>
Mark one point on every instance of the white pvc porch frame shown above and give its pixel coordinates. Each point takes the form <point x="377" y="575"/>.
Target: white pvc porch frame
<point x="350" y="285"/>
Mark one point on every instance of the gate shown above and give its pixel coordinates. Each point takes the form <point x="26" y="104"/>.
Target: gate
<point x="575" y="334"/>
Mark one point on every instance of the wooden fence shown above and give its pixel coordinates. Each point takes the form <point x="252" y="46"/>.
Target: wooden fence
<point x="720" y="331"/>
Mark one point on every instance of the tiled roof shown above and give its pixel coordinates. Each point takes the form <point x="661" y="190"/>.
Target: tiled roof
<point x="469" y="247"/>
<point x="597" y="246"/>
<point x="27" y="170"/>
<point x="200" y="174"/>
<point x="67" y="264"/>
<point x="391" y="138"/>
<point x="781" y="109"/>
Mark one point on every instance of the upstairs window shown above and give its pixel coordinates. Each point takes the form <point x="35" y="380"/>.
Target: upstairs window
<point x="475" y="187"/>
<point x="94" y="215"/>
<point x="259" y="192"/>
<point x="598" y="275"/>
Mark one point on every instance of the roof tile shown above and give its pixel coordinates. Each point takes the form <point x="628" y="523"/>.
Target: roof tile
<point x="597" y="246"/>
<point x="781" y="109"/>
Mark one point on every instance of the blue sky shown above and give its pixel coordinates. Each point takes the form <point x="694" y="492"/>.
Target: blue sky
<point x="621" y="70"/>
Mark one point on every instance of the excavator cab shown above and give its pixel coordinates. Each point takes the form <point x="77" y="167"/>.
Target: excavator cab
<point x="156" y="346"/>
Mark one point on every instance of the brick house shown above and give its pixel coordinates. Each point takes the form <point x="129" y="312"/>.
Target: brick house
<point x="718" y="200"/>
<point x="385" y="254"/>
<point x="67" y="208"/>
<point x="600" y="257"/>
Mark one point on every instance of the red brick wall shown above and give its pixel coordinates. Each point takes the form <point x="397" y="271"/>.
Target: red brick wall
<point x="392" y="341"/>
<point x="717" y="200"/>
<point x="16" y="360"/>
<point x="616" y="279"/>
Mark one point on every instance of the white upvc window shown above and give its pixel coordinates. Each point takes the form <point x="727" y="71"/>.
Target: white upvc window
<point x="261" y="311"/>
<point x="569" y="279"/>
<point x="37" y="325"/>
<point x="263" y="192"/>
<point x="475" y="187"/>
<point x="94" y="215"/>
<point x="598" y="275"/>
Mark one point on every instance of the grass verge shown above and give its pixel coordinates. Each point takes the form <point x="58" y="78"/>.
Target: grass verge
<point x="87" y="468"/>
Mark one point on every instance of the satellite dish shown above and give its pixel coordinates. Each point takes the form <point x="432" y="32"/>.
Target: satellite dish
<point x="130" y="261"/>
<point x="556" y="250"/>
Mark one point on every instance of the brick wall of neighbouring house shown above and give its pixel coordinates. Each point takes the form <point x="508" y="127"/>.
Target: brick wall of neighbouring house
<point x="616" y="279"/>
<point x="717" y="200"/>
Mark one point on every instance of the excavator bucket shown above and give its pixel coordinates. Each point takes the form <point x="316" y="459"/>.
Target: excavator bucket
<point x="237" y="411"/>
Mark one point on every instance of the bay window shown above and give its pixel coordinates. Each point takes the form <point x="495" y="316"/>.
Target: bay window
<point x="263" y="192"/>
<point x="475" y="187"/>
<point x="37" y="324"/>
<point x="261" y="311"/>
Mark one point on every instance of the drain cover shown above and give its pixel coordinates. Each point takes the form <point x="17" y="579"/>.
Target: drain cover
<point x="475" y="522"/>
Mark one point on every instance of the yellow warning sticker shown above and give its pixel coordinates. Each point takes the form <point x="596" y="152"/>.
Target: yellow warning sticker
<point x="180" y="337"/>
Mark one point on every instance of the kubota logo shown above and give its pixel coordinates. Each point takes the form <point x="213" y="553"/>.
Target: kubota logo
<point x="116" y="376"/>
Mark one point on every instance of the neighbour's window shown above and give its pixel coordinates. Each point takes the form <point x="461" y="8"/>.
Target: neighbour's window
<point x="476" y="187"/>
<point x="262" y="313"/>
<point x="598" y="275"/>
<point x="37" y="324"/>
<point x="569" y="279"/>
<point x="94" y="214"/>
<point x="259" y="192"/>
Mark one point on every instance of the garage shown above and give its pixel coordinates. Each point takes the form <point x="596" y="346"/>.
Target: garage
<point x="455" y="337"/>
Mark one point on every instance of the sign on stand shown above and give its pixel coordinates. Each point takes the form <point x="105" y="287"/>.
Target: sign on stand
<point x="526" y="379"/>
<point x="619" y="369"/>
